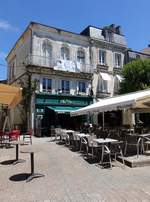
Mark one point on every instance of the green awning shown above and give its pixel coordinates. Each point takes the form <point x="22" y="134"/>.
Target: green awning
<point x="63" y="109"/>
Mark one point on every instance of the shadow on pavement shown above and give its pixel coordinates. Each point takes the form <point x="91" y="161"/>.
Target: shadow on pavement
<point x="8" y="162"/>
<point x="19" y="177"/>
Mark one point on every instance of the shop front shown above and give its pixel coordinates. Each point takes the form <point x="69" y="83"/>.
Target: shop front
<point x="54" y="111"/>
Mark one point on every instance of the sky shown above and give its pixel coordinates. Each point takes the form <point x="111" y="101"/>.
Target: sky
<point x="73" y="15"/>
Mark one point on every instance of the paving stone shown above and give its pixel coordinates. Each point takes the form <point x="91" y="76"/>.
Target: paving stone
<point x="69" y="178"/>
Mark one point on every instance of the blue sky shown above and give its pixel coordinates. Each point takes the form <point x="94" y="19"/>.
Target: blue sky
<point x="73" y="15"/>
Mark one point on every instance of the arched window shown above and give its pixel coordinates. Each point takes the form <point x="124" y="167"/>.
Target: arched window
<point x="47" y="50"/>
<point x="81" y="56"/>
<point x="65" y="53"/>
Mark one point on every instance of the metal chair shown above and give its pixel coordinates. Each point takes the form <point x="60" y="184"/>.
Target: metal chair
<point x="106" y="152"/>
<point x="90" y="145"/>
<point x="147" y="143"/>
<point x="28" y="135"/>
<point x="115" y="150"/>
<point x="57" y="133"/>
<point x="132" y="140"/>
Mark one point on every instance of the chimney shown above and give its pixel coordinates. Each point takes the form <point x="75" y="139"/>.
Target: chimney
<point x="112" y="25"/>
<point x="118" y="30"/>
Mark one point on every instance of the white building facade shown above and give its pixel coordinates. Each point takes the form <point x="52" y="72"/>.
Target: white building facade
<point x="69" y="69"/>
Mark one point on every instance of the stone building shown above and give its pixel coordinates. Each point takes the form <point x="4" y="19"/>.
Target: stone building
<point x="135" y="55"/>
<point x="69" y="70"/>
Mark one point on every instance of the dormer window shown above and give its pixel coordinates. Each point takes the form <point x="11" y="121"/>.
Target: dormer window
<point x="109" y="36"/>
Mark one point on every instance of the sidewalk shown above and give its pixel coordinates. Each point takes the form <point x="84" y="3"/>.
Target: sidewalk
<point x="69" y="178"/>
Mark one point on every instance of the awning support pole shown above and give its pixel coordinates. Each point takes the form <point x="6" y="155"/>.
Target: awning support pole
<point x="103" y="118"/>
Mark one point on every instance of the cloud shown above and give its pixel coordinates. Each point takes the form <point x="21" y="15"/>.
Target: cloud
<point x="5" y="25"/>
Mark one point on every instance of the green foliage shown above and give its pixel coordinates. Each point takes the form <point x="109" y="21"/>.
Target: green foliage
<point x="29" y="86"/>
<point x="28" y="91"/>
<point x="136" y="76"/>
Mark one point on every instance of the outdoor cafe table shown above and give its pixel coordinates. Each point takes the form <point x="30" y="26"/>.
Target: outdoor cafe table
<point x="69" y="131"/>
<point x="81" y="135"/>
<point x="17" y="143"/>
<point x="31" y="150"/>
<point x="104" y="142"/>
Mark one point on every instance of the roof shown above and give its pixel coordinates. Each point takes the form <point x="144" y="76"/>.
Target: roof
<point x="139" y="99"/>
<point x="146" y="50"/>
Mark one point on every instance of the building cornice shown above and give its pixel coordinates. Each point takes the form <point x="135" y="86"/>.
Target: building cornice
<point x="50" y="71"/>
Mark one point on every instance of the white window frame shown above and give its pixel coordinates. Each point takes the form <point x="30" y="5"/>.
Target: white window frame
<point x="118" y="60"/>
<point x="46" y="85"/>
<point x="102" y="57"/>
<point x="65" y="53"/>
<point x="80" y="58"/>
<point x="80" y="88"/>
<point x="47" y="53"/>
<point x="103" y="86"/>
<point x="65" y="90"/>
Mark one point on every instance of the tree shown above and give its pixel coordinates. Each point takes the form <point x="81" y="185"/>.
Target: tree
<point x="136" y="76"/>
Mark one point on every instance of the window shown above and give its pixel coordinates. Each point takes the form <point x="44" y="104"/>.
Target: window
<point x="116" y="86"/>
<point x="102" y="57"/>
<point x="47" y="85"/>
<point x="47" y="50"/>
<point x="137" y="56"/>
<point x="117" y="80"/>
<point x="65" y="86"/>
<point x="65" y="53"/>
<point x="82" y="87"/>
<point x="12" y="69"/>
<point x="47" y="54"/>
<point x="81" y="56"/>
<point x="109" y="36"/>
<point x="103" y="86"/>
<point x="117" y="60"/>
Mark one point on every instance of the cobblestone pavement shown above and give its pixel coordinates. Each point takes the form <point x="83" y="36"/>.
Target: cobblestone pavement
<point x="69" y="178"/>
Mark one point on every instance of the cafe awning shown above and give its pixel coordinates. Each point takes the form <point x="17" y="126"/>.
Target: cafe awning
<point x="139" y="100"/>
<point x="119" y="77"/>
<point x="63" y="109"/>
<point x="10" y="95"/>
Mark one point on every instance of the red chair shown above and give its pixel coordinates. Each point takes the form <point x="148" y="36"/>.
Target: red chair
<point x="14" y="135"/>
<point x="28" y="135"/>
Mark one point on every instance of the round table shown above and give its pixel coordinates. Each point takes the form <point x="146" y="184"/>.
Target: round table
<point x="30" y="150"/>
<point x="17" y="143"/>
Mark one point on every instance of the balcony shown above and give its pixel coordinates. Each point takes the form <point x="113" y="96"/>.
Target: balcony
<point x="58" y="64"/>
<point x="117" y="69"/>
<point x="102" y="67"/>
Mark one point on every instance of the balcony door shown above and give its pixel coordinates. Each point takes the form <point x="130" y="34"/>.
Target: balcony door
<point x="47" y="55"/>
